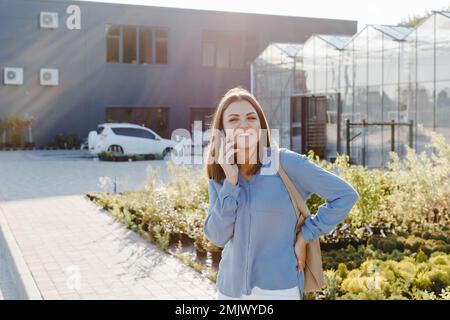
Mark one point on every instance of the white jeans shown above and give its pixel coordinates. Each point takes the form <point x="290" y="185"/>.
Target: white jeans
<point x="263" y="294"/>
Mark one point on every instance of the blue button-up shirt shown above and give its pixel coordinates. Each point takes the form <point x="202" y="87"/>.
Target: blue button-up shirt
<point x="254" y="221"/>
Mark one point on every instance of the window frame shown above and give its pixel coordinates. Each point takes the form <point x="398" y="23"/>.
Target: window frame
<point x="246" y="42"/>
<point x="155" y="39"/>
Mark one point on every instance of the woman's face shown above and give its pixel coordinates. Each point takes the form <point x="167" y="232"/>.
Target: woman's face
<point x="241" y="121"/>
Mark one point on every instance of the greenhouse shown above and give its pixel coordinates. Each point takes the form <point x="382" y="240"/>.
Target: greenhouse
<point x="276" y="75"/>
<point x="364" y="95"/>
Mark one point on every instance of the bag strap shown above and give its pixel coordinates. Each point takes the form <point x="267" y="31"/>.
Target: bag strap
<point x="301" y="209"/>
<point x="314" y="279"/>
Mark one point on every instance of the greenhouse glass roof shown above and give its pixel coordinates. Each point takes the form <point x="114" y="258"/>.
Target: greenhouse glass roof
<point x="291" y="49"/>
<point x="395" y="32"/>
<point x="339" y="42"/>
<point x="445" y="13"/>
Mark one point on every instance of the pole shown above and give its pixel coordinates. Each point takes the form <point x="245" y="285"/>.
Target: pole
<point x="392" y="135"/>
<point x="410" y="133"/>
<point x="364" y="124"/>
<point x="338" y="122"/>
<point x="347" y="128"/>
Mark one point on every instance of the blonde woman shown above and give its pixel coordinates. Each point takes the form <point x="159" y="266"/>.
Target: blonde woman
<point x="251" y="214"/>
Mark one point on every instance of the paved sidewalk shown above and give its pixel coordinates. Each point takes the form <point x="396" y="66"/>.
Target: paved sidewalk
<point x="7" y="289"/>
<point x="75" y="250"/>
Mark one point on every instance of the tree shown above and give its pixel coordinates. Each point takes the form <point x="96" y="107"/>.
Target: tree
<point x="415" y="20"/>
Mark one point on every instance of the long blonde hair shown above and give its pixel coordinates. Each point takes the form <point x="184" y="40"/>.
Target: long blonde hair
<point x="213" y="169"/>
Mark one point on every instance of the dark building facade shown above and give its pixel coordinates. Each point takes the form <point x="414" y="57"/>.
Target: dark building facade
<point x="72" y="64"/>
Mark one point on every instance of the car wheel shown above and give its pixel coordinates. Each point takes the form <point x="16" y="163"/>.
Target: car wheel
<point x="115" y="149"/>
<point x="166" y="152"/>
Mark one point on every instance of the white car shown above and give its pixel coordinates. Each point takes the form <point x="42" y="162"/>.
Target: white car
<point x="127" y="138"/>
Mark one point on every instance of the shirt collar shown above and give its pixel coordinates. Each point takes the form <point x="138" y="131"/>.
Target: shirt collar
<point x="265" y="162"/>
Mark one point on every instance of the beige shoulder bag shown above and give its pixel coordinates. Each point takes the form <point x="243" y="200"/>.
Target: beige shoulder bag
<point x="313" y="269"/>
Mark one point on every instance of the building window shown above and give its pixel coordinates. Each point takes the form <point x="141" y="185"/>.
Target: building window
<point x="129" y="45"/>
<point x="136" y="44"/>
<point x="145" y="46"/>
<point x="154" y="118"/>
<point x="161" y="52"/>
<point x="205" y="115"/>
<point x="222" y="55"/>
<point x="208" y="54"/>
<point x="161" y="46"/>
<point x="112" y="43"/>
<point x="228" y="50"/>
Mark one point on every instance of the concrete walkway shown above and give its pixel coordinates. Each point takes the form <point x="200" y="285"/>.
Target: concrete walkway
<point x="8" y="291"/>
<point x="75" y="250"/>
<point x="71" y="247"/>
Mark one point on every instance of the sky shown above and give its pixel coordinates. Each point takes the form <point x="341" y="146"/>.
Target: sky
<point x="389" y="12"/>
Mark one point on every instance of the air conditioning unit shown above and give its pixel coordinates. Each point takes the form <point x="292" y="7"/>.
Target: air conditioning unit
<point x="49" y="77"/>
<point x="49" y="20"/>
<point x="13" y="76"/>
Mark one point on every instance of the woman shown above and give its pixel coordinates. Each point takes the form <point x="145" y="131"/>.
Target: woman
<point x="251" y="214"/>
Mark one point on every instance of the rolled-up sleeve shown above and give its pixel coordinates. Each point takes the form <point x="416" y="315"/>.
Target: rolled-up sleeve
<point x="223" y="204"/>
<point x="339" y="195"/>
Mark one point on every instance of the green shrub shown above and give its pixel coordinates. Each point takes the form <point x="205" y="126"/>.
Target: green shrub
<point x="385" y="195"/>
<point x="66" y="141"/>
<point x="418" y="278"/>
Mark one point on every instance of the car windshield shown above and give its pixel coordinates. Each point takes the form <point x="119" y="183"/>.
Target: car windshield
<point x="100" y="129"/>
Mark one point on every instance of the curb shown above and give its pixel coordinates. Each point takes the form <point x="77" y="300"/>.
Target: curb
<point x="22" y="278"/>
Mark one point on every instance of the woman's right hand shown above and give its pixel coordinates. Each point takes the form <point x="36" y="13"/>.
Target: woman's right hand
<point x="226" y="159"/>
<point x="300" y="251"/>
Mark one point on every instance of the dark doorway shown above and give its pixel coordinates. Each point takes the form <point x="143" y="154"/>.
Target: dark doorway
<point x="309" y="124"/>
<point x="205" y="115"/>
<point x="155" y="118"/>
